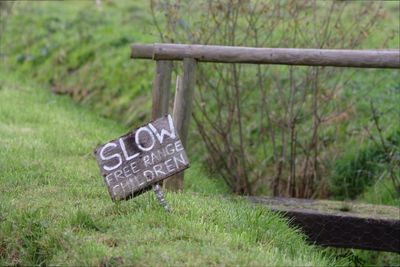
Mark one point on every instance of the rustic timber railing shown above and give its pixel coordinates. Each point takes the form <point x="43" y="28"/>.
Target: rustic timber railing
<point x="285" y="56"/>
<point x="324" y="228"/>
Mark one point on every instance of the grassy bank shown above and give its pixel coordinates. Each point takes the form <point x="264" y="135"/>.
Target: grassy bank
<point x="55" y="209"/>
<point x="82" y="50"/>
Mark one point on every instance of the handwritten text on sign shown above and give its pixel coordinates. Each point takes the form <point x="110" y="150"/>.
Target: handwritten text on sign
<point x="137" y="160"/>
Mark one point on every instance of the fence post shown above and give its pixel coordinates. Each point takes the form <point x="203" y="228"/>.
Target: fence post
<point x="161" y="88"/>
<point x="182" y="113"/>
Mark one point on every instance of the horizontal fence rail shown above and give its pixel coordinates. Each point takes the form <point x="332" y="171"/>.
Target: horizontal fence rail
<point x="286" y="56"/>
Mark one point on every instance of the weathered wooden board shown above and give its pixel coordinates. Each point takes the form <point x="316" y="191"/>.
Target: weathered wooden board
<point x="134" y="162"/>
<point x="341" y="224"/>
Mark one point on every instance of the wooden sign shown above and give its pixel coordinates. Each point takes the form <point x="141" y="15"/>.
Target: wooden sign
<point x="134" y="162"/>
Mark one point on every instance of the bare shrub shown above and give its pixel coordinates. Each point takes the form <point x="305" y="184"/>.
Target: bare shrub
<point x="269" y="125"/>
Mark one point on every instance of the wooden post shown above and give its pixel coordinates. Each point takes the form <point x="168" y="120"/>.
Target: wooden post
<point x="182" y="113"/>
<point x="161" y="88"/>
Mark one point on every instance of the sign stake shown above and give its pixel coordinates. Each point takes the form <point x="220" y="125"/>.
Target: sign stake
<point x="160" y="197"/>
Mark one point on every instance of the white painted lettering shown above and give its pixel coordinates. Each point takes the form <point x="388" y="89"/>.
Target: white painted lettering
<point x="149" y="175"/>
<point x="178" y="146"/>
<point x="169" y="166"/>
<point x="140" y="181"/>
<point x="158" y="170"/>
<point x="146" y="161"/>
<point x="118" y="175"/>
<point x="137" y="139"/>
<point x="154" y="157"/>
<point x="160" y="136"/>
<point x="180" y="160"/>
<point x="161" y="153"/>
<point x="127" y="157"/>
<point x="116" y="155"/>
<point x="108" y="178"/>
<point x="127" y="171"/>
<point x="134" y="167"/>
<point x="169" y="150"/>
<point x="114" y="191"/>
<point x="125" y="187"/>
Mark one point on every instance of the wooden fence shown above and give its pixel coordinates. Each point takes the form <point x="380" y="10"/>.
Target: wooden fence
<point x="164" y="54"/>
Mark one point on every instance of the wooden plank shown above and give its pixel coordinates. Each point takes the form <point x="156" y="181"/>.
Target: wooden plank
<point x="182" y="112"/>
<point x="161" y="88"/>
<point x="341" y="224"/>
<point x="286" y="56"/>
<point x="134" y="162"/>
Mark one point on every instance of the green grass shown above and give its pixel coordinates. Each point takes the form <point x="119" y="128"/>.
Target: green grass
<point x="382" y="192"/>
<point x="367" y="168"/>
<point x="83" y="51"/>
<point x="55" y="209"/>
